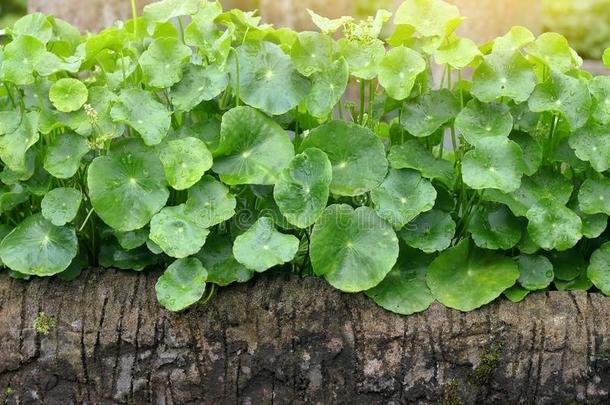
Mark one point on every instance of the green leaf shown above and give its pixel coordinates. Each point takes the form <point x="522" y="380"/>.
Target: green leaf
<point x="402" y="196"/>
<point x="253" y="148"/>
<point x="177" y="233"/>
<point x="591" y="143"/>
<point x="210" y="202"/>
<point x="465" y="277"/>
<point x="430" y="232"/>
<point x="302" y="189"/>
<point x="198" y="84"/>
<point x="398" y="70"/>
<point x="356" y="154"/>
<point x="161" y="62"/>
<point x="568" y="265"/>
<point x="263" y="69"/>
<point x="353" y="249"/>
<point x="133" y="239"/>
<point x="63" y="156"/>
<point x="39" y="248"/>
<point x="552" y="50"/>
<point x="504" y="75"/>
<point x="217" y="257"/>
<point x="68" y="94"/>
<point x="516" y="293"/>
<point x="553" y="226"/>
<point x="532" y="151"/>
<point x="565" y="95"/>
<point x="495" y="228"/>
<point x="594" y="196"/>
<point x="326" y="25"/>
<point x="428" y="17"/>
<point x="599" y="87"/>
<point x="513" y="40"/>
<point x="185" y="161"/>
<point x="36" y="25"/>
<point x="312" y="52"/>
<point x="50" y="63"/>
<point x="425" y="114"/>
<point x="479" y="121"/>
<point x="404" y="290"/>
<point x="139" y="109"/>
<point x="363" y="58"/>
<point x="19" y="58"/>
<point x="60" y="205"/>
<point x="126" y="189"/>
<point x="113" y="256"/>
<point x="14" y="146"/>
<point x="536" y="272"/>
<point x="182" y="284"/>
<point x="599" y="268"/>
<point x="166" y="10"/>
<point x="413" y="155"/>
<point x="262" y="247"/>
<point x="606" y="57"/>
<point x="495" y="163"/>
<point x="328" y="86"/>
<point x="457" y="53"/>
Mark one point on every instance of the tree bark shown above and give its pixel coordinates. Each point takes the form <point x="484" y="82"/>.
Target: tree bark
<point x="282" y="339"/>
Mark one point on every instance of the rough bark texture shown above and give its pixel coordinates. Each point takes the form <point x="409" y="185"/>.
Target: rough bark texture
<point x="283" y="339"/>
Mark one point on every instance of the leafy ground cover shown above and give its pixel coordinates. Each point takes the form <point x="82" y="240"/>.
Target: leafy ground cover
<point x="223" y="148"/>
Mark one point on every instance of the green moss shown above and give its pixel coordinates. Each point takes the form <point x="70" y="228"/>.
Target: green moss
<point x="44" y="324"/>
<point x="452" y="395"/>
<point x="490" y="358"/>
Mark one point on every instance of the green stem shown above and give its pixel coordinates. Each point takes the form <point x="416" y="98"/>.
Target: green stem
<point x="371" y="98"/>
<point x="181" y="29"/>
<point x="134" y="12"/>
<point x="237" y="81"/>
<point x="340" y="104"/>
<point x="362" y="99"/>
<point x="10" y="95"/>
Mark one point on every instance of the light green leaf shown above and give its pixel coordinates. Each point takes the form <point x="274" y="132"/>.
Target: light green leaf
<point x="484" y="120"/>
<point x="328" y="86"/>
<point x="599" y="87"/>
<point x="61" y="205"/>
<point x="516" y="293"/>
<point x="126" y="189"/>
<point x="302" y="189"/>
<point x="552" y="50"/>
<point x="553" y="226"/>
<point x="39" y="248"/>
<point x="606" y="57"/>
<point x="495" y="163"/>
<point x="263" y="69"/>
<point x="404" y="290"/>
<point x="185" y="160"/>
<point x="413" y="155"/>
<point x="138" y="109"/>
<point x="465" y="277"/>
<point x="253" y="148"/>
<point x="312" y="52"/>
<point x="198" y="84"/>
<point x="495" y="228"/>
<point x="430" y="232"/>
<point x="532" y="151"/>
<point x="398" y="70"/>
<point x="326" y="25"/>
<point x="210" y="202"/>
<point x="19" y="58"/>
<point x="591" y="143"/>
<point x="63" y="156"/>
<point x="50" y="64"/>
<point x="428" y="17"/>
<point x="182" y="284"/>
<point x="177" y="233"/>
<point x="133" y="239"/>
<point x="14" y="146"/>
<point x="262" y="247"/>
<point x="425" y="114"/>
<point x="166" y="10"/>
<point x="356" y="154"/>
<point x="457" y="53"/>
<point x="536" y="272"/>
<point x="599" y="268"/>
<point x="363" y="58"/>
<point x="161" y="62"/>
<point x="36" y="25"/>
<point x="217" y="257"/>
<point x="68" y="94"/>
<point x="353" y="249"/>
<point x="504" y="75"/>
<point x="513" y="40"/>
<point x="594" y="196"/>
<point x="402" y="196"/>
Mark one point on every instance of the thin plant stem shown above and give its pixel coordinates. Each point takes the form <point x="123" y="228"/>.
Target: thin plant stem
<point x="362" y="100"/>
<point x="134" y="12"/>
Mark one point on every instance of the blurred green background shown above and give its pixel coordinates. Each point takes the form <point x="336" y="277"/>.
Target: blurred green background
<point x="11" y="10"/>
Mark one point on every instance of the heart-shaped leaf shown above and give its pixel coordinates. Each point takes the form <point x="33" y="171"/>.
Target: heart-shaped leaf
<point x="182" y="284"/>
<point x="210" y="202"/>
<point x="185" y="161"/>
<point x="61" y="205"/>
<point x="19" y="58"/>
<point x="177" y="233"/>
<point x="36" y="25"/>
<point x="64" y="155"/>
<point x="479" y="121"/>
<point x="398" y="70"/>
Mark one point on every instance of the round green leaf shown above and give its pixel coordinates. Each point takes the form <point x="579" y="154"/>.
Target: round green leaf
<point x="363" y="57"/>
<point x="253" y="148"/>
<point x="133" y="239"/>
<point x="328" y="86"/>
<point x="425" y="114"/>
<point x="495" y="163"/>
<point x="532" y="151"/>
<point x="495" y="228"/>
<point x="312" y="52"/>
<point x="161" y="62"/>
<point x="185" y="161"/>
<point x="166" y="10"/>
<point x="264" y="69"/>
<point x="430" y="232"/>
<point x="398" y="70"/>
<point x="61" y="205"/>
<point x="404" y="290"/>
<point x="353" y="249"/>
<point x="565" y="95"/>
<point x="594" y="196"/>
<point x="19" y="58"/>
<point x="68" y="94"/>
<point x="484" y="120"/>
<point x="217" y="257"/>
<point x="429" y="17"/>
<point x="302" y="189"/>
<point x="356" y="154"/>
<point x="568" y="265"/>
<point x="536" y="272"/>
<point x="516" y="293"/>
<point x="178" y="234"/>
<point x="552" y="50"/>
<point x="504" y="75"/>
<point x="262" y="246"/>
<point x="14" y="146"/>
<point x="553" y="226"/>
<point x="63" y="156"/>
<point x="413" y="155"/>
<point x="457" y="53"/>
<point x="591" y="143"/>
<point x="126" y="189"/>
<point x="139" y="109"/>
<point x="600" y="90"/>
<point x="37" y="247"/>
<point x="210" y="202"/>
<point x="36" y="25"/>
<point x="198" y="84"/>
<point x="465" y="277"/>
<point x="599" y="268"/>
<point x="402" y="196"/>
<point x="182" y="284"/>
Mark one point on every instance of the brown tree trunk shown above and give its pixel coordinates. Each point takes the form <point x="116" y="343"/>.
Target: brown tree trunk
<point x="283" y="339"/>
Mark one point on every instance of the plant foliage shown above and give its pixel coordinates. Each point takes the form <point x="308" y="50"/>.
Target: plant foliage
<point x="225" y="148"/>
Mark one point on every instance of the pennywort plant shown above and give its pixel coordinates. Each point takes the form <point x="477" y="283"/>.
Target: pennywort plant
<point x="218" y="147"/>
